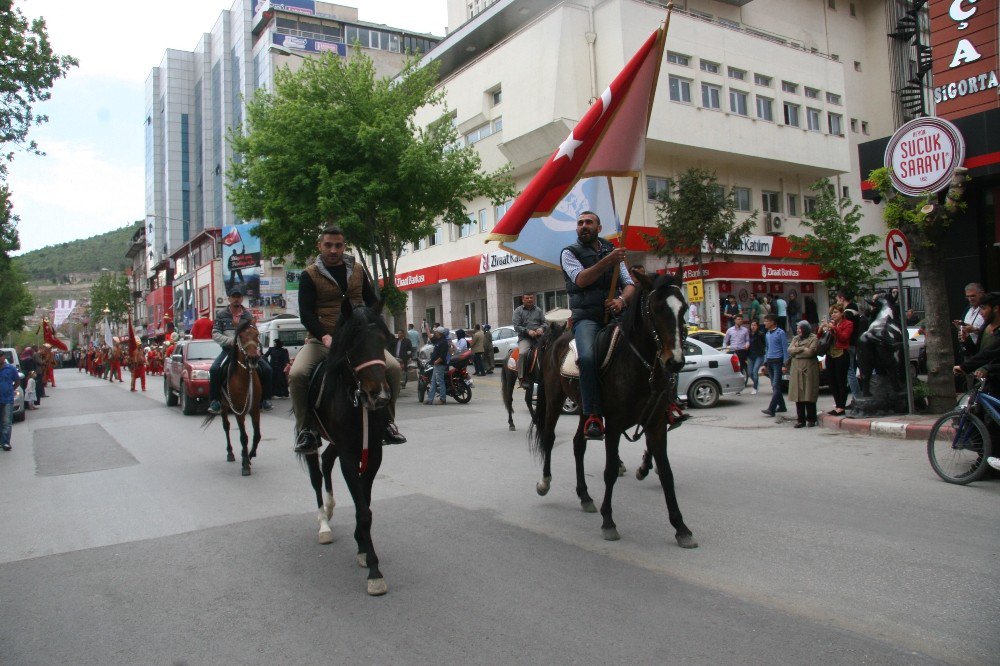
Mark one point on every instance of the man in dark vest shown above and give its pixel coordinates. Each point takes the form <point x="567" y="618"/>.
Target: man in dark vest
<point x="322" y="289"/>
<point x="588" y="266"/>
<point x="227" y="320"/>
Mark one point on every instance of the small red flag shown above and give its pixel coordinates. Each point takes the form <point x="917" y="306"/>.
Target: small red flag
<point x="232" y="238"/>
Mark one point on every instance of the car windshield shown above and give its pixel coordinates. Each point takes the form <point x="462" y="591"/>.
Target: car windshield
<point x="9" y="355"/>
<point x="292" y="337"/>
<point x="203" y="349"/>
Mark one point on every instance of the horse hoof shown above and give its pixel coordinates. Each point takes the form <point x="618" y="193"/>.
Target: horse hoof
<point x="588" y="506"/>
<point x="362" y="560"/>
<point x="326" y="536"/>
<point x="686" y="541"/>
<point x="641" y="473"/>
<point x="377" y="587"/>
<point x="621" y="469"/>
<point x="246" y="470"/>
<point x="610" y="533"/>
<point x="512" y="428"/>
<point x="230" y="457"/>
<point x="542" y="487"/>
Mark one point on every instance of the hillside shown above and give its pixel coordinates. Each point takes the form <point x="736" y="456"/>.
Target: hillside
<point x="87" y="255"/>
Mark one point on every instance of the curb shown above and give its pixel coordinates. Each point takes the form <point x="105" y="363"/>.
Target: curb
<point x="875" y="428"/>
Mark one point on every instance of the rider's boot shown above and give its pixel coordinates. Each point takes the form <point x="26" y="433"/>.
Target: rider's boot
<point x="307" y="442"/>
<point x="593" y="428"/>
<point x="392" y="435"/>
<point x="265" y="404"/>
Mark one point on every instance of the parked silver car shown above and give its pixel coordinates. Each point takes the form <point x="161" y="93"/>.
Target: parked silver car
<point x="504" y="339"/>
<point x="708" y="374"/>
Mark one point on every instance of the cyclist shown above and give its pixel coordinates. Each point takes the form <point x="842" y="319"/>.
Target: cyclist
<point x="983" y="357"/>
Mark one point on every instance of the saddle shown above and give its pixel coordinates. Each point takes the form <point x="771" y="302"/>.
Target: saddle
<point x="530" y="362"/>
<point x="607" y="341"/>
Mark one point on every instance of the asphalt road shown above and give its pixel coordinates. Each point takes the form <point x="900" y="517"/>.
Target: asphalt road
<point x="127" y="538"/>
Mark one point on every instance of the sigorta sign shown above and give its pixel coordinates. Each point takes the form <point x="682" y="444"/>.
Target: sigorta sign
<point x="964" y="45"/>
<point x="923" y="154"/>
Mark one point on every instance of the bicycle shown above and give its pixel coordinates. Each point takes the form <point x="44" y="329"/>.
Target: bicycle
<point x="959" y="442"/>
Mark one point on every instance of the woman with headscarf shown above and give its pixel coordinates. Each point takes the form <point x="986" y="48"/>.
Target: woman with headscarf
<point x="803" y="374"/>
<point x="278" y="358"/>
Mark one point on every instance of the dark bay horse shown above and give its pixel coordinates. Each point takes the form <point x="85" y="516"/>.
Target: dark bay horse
<point x="634" y="391"/>
<point x="508" y="382"/>
<point x="242" y="391"/>
<point x="352" y="416"/>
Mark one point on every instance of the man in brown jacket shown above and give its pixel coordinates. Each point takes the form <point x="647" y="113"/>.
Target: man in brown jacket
<point x="322" y="288"/>
<point x="478" y="348"/>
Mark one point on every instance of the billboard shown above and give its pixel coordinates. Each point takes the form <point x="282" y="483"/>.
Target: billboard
<point x="241" y="259"/>
<point x="964" y="45"/>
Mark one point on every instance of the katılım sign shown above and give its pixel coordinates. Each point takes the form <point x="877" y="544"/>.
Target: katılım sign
<point x="966" y="59"/>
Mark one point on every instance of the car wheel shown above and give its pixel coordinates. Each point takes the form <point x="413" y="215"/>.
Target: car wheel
<point x="570" y="407"/>
<point x="421" y="389"/>
<point x="168" y="395"/>
<point x="188" y="406"/>
<point x="19" y="417"/>
<point x="703" y="393"/>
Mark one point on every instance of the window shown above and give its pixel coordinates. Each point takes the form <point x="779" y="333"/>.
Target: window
<point x="811" y="93"/>
<point x="680" y="89"/>
<point x="833" y="99"/>
<point x="771" y="202"/>
<point x="738" y="74"/>
<point x="654" y="186"/>
<point x="438" y="237"/>
<point x="864" y="127"/>
<point x="497" y="124"/>
<point x="809" y="205"/>
<point x="846" y="192"/>
<point x="812" y="119"/>
<point x="741" y="195"/>
<point x="792" y="114"/>
<point x="678" y="59"/>
<point x="835" y="124"/>
<point x="502" y="209"/>
<point x="483" y="131"/>
<point x="765" y="108"/>
<point x="483" y="222"/>
<point x="762" y="80"/>
<point x="465" y="230"/>
<point x="789" y="87"/>
<point x="496" y="96"/>
<point x="710" y="96"/>
<point x="793" y="205"/>
<point x="738" y="102"/>
<point x="709" y="66"/>
<point x="854" y="125"/>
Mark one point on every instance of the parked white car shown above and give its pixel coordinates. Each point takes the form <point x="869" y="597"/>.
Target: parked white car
<point x="504" y="339"/>
<point x="13" y="359"/>
<point x="708" y="374"/>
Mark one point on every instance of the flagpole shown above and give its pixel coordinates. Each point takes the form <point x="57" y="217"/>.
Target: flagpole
<point x="624" y="235"/>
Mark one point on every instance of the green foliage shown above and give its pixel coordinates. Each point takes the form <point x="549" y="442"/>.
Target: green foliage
<point x="696" y="219"/>
<point x="334" y="145"/>
<point x="910" y="214"/>
<point x="111" y="291"/>
<point x="28" y="68"/>
<point x="16" y="302"/>
<point x="9" y="240"/>
<point x="88" y="255"/>
<point x="850" y="261"/>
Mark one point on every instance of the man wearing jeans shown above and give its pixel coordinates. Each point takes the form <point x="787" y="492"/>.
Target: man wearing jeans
<point x="775" y="358"/>
<point x="588" y="266"/>
<point x="9" y="378"/>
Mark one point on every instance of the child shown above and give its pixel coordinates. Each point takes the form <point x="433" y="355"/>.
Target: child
<point x="30" y="399"/>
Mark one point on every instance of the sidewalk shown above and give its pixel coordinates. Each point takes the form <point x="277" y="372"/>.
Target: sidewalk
<point x="917" y="426"/>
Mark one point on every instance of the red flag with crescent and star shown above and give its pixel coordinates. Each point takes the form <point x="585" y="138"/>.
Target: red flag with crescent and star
<point x="132" y="346"/>
<point x="609" y="140"/>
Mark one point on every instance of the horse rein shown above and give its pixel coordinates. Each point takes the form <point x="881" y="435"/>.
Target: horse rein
<point x="356" y="401"/>
<point x="255" y="344"/>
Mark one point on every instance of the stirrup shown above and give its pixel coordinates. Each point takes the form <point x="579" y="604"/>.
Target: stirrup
<point x="593" y="421"/>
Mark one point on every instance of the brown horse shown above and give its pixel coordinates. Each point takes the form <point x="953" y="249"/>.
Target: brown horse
<point x="635" y="391"/>
<point x="242" y="391"/>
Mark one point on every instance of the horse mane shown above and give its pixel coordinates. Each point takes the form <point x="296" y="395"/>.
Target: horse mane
<point x="351" y="325"/>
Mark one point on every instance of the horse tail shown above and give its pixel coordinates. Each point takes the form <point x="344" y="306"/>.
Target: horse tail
<point x="537" y="441"/>
<point x="208" y="420"/>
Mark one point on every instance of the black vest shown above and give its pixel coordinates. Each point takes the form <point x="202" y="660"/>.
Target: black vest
<point x="588" y="302"/>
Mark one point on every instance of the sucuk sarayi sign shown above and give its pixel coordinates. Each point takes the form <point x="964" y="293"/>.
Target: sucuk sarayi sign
<point x="923" y="154"/>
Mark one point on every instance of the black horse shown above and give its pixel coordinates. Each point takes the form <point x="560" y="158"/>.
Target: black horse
<point x="351" y="399"/>
<point x="635" y="390"/>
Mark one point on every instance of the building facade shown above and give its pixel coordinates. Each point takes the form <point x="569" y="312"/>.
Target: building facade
<point x="770" y="95"/>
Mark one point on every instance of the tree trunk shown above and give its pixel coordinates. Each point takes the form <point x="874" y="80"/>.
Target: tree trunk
<point x="940" y="351"/>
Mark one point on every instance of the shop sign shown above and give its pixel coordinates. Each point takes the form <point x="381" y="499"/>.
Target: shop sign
<point x="923" y="154"/>
<point x="695" y="291"/>
<point x="498" y="260"/>
<point x="420" y="278"/>
<point x="758" y="246"/>
<point x="964" y="45"/>
<point x="759" y="272"/>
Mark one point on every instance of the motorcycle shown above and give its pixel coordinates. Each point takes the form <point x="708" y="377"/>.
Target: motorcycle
<point x="457" y="382"/>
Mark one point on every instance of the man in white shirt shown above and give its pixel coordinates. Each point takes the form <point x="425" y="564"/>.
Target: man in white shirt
<point x="973" y="321"/>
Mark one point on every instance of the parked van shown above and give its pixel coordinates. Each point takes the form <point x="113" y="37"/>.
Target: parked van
<point x="287" y="328"/>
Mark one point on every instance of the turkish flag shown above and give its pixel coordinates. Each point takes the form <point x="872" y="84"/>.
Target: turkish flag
<point x="50" y="337"/>
<point x="232" y="238"/>
<point x="132" y="346"/>
<point x="609" y="140"/>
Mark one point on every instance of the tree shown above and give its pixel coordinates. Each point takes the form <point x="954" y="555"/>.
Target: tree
<point x="111" y="291"/>
<point x="28" y="68"/>
<point x="9" y="240"/>
<point x="925" y="221"/>
<point x="696" y="220"/>
<point x="849" y="260"/>
<point x="16" y="301"/>
<point x="333" y="144"/>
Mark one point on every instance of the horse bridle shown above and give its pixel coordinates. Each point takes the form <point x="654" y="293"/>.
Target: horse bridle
<point x="355" y="369"/>
<point x="255" y="344"/>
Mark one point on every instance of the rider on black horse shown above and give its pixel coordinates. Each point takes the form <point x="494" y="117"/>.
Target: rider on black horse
<point x="588" y="266"/>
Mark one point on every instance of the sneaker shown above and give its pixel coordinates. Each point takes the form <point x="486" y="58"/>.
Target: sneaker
<point x="594" y="427"/>
<point x="307" y="442"/>
<point x="992" y="461"/>
<point x="768" y="412"/>
<point x="781" y="409"/>
<point x="214" y="408"/>
<point x="439" y="401"/>
<point x="265" y="405"/>
<point x="392" y="435"/>
<point x="753" y="391"/>
<point x="5" y="447"/>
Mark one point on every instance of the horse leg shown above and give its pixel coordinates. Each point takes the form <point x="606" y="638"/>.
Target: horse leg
<point x="356" y="485"/>
<point x="611" y="464"/>
<point x="244" y="441"/>
<point x="507" y="392"/>
<point x="579" y="451"/>
<point x="642" y="471"/>
<point x="554" y="397"/>
<point x="656" y="442"/>
<point x="229" y="444"/>
<point x="255" y="421"/>
<point x="316" y="478"/>
<point x="329" y="457"/>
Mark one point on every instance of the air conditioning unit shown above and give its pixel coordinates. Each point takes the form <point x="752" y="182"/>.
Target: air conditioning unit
<point x="277" y="262"/>
<point x="774" y="225"/>
<point x="219" y="300"/>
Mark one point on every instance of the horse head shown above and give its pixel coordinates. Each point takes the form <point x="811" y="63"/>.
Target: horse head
<point x="360" y="342"/>
<point x="247" y="342"/>
<point x="661" y="311"/>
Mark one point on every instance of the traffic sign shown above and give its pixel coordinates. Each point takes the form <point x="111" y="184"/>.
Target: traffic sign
<point x="695" y="291"/>
<point x="897" y="250"/>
